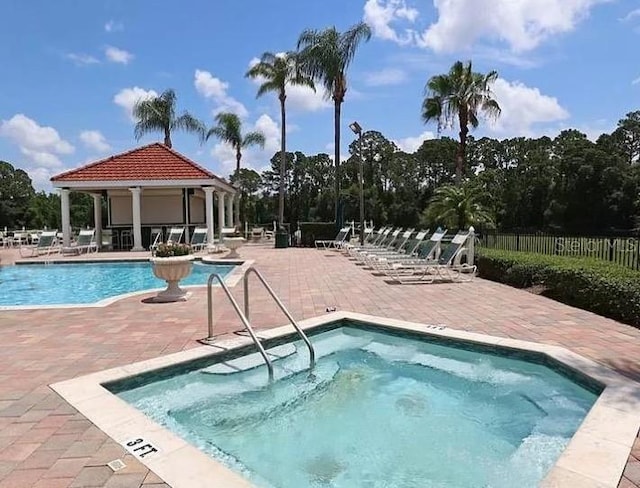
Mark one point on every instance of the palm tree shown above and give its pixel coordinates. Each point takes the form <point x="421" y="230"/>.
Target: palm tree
<point x="229" y="130"/>
<point x="326" y="56"/>
<point x="159" y="114"/>
<point x="462" y="94"/>
<point x="458" y="206"/>
<point x="276" y="73"/>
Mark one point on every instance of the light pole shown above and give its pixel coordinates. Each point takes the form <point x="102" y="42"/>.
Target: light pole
<point x="355" y="127"/>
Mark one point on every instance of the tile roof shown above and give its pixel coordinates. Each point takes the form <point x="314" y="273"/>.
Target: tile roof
<point x="152" y="162"/>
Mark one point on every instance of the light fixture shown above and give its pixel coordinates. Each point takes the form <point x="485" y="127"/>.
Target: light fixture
<point x="355" y="127"/>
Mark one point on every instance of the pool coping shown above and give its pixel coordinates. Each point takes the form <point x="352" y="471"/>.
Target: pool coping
<point x="594" y="458"/>
<point x="231" y="280"/>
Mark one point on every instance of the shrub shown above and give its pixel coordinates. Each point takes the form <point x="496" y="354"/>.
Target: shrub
<point x="598" y="286"/>
<point x="170" y="250"/>
<point x="313" y="231"/>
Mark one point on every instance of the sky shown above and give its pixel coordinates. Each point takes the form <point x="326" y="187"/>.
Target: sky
<point x="73" y="69"/>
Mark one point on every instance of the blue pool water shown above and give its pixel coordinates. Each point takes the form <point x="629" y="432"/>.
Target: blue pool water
<point x="380" y="412"/>
<point x="79" y="283"/>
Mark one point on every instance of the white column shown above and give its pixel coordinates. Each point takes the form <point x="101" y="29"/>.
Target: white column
<point x="66" y="217"/>
<point x="236" y="209"/>
<point x="97" y="217"/>
<point x="137" y="228"/>
<point x="221" y="195"/>
<point x="471" y="246"/>
<point x="208" y="212"/>
<point x="228" y="222"/>
<point x="187" y="217"/>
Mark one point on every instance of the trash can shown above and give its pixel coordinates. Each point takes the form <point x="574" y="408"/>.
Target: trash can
<point x="282" y="239"/>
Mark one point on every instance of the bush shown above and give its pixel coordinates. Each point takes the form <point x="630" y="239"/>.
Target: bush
<point x="598" y="286"/>
<point x="314" y="231"/>
<point x="170" y="250"/>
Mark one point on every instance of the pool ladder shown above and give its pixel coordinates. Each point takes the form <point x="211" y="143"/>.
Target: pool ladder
<point x="244" y="316"/>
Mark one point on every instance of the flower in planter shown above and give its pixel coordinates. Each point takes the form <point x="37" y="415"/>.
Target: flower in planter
<point x="171" y="250"/>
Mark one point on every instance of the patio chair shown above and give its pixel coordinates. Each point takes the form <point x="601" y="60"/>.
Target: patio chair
<point x="19" y="239"/>
<point x="199" y="239"/>
<point x="447" y="266"/>
<point x="86" y="242"/>
<point x="370" y="239"/>
<point x="46" y="245"/>
<point x="257" y="233"/>
<point x="156" y="239"/>
<point x="425" y="251"/>
<point x="394" y="247"/>
<point x="175" y="235"/>
<point x="337" y="242"/>
<point x="385" y="243"/>
<point x="408" y="250"/>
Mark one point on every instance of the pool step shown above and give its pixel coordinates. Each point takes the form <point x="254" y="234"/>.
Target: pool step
<point x="245" y="363"/>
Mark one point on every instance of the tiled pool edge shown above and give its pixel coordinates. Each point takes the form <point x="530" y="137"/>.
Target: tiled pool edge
<point x="232" y="279"/>
<point x="595" y="457"/>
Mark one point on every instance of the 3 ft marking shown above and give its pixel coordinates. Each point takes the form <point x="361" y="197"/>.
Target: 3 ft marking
<point x="140" y="448"/>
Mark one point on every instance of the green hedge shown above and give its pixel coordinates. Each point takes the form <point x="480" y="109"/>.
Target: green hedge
<point x="595" y="285"/>
<point x="313" y="231"/>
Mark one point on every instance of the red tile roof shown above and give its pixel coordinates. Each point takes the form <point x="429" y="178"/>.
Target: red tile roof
<point x="152" y="162"/>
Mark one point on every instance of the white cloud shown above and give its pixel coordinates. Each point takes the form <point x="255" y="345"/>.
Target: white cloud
<point x="41" y="146"/>
<point x="215" y="89"/>
<point x="381" y="14"/>
<point x="386" y="76"/>
<point x="636" y="81"/>
<point x="631" y="15"/>
<point x="522" y="108"/>
<point x="411" y="144"/>
<point x="113" y="26"/>
<point x="128" y="97"/>
<point x="94" y="140"/>
<point x="81" y="59"/>
<point x="271" y="131"/>
<point x="116" y="55"/>
<point x="521" y="24"/>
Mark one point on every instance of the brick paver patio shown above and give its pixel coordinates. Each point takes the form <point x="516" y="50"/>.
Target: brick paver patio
<point x="45" y="443"/>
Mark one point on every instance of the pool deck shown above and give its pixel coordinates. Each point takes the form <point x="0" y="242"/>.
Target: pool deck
<point x="46" y="443"/>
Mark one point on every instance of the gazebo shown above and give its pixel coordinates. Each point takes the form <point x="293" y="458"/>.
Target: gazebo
<point x="148" y="188"/>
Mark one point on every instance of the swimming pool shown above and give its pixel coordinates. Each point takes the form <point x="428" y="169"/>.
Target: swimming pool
<point x="381" y="410"/>
<point x="84" y="283"/>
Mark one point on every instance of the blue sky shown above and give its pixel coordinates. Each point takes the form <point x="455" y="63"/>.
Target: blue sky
<point x="72" y="70"/>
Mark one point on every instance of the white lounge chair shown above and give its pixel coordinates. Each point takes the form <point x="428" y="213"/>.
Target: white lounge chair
<point x="175" y="235"/>
<point x="426" y="251"/>
<point x="408" y="250"/>
<point x="336" y="243"/>
<point x="86" y="242"/>
<point x="199" y="239"/>
<point x="46" y="244"/>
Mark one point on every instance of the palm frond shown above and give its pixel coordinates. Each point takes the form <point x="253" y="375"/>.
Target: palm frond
<point x="254" y="139"/>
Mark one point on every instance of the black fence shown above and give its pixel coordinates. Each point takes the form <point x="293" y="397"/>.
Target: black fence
<point x="621" y="250"/>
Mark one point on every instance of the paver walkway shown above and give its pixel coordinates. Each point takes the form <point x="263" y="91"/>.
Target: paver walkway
<point x="45" y="443"/>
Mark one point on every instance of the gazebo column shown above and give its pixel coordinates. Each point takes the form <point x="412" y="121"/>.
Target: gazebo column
<point x="236" y="209"/>
<point x="229" y="220"/>
<point x="97" y="218"/>
<point x="137" y="226"/>
<point x="221" y="195"/>
<point x="208" y="212"/>
<point x="66" y="217"/>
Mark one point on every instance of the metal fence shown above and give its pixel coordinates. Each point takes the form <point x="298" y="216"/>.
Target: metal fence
<point x="624" y="251"/>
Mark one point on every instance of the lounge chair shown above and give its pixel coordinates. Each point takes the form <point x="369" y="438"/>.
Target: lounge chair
<point x="383" y="244"/>
<point x="447" y="266"/>
<point x="175" y="235"/>
<point x="408" y="250"/>
<point x="257" y="233"/>
<point x="86" y="242"/>
<point x="156" y="239"/>
<point x="199" y="239"/>
<point x="424" y="252"/>
<point x="336" y="243"/>
<point x="395" y="247"/>
<point x="46" y="245"/>
<point x="370" y="240"/>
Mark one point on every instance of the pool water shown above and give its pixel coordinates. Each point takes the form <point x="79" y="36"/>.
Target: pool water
<point x="81" y="283"/>
<point x="379" y="412"/>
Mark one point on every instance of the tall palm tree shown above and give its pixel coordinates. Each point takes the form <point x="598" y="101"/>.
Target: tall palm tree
<point x="276" y="73"/>
<point x="159" y="114"/>
<point x="326" y="56"/>
<point x="229" y="130"/>
<point x="458" y="206"/>
<point x="463" y="94"/>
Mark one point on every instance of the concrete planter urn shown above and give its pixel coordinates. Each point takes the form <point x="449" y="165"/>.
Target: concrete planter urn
<point x="172" y="270"/>
<point x="233" y="244"/>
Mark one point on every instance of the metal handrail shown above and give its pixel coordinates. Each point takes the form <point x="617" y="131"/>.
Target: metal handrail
<point x="243" y="318"/>
<point x="303" y="336"/>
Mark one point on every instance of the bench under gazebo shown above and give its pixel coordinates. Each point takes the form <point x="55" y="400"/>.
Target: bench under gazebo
<point x="147" y="189"/>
